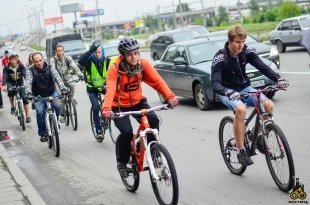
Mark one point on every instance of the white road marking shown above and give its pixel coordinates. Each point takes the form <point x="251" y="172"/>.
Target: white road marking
<point x="298" y="73"/>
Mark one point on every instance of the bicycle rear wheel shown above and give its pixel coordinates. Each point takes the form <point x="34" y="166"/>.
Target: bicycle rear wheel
<point x="228" y="146"/>
<point x="73" y="114"/>
<point x="166" y="188"/>
<point x="55" y="135"/>
<point x="20" y="115"/>
<point x="92" y="123"/>
<point x="67" y="114"/>
<point x="133" y="180"/>
<point x="279" y="158"/>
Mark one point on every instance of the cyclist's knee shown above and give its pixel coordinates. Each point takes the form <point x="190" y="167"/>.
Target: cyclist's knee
<point x="268" y="105"/>
<point x="240" y="111"/>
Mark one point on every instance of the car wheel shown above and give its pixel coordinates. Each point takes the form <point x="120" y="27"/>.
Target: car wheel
<point x="201" y="98"/>
<point x="161" y="98"/>
<point x="155" y="57"/>
<point x="281" y="48"/>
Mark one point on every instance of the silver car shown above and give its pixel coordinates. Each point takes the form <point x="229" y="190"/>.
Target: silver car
<point x="289" y="32"/>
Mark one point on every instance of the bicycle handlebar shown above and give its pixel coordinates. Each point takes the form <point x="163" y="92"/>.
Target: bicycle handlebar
<point x="142" y="111"/>
<point x="270" y="88"/>
<point x="15" y="88"/>
<point x="39" y="98"/>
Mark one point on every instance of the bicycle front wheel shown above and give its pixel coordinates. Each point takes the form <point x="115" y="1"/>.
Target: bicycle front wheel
<point x="228" y="146"/>
<point x="55" y="135"/>
<point x="20" y="115"/>
<point x="279" y="158"/>
<point x="111" y="129"/>
<point x="133" y="180"/>
<point x="166" y="188"/>
<point x="73" y="114"/>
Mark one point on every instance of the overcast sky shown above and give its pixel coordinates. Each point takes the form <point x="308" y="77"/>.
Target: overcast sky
<point x="13" y="13"/>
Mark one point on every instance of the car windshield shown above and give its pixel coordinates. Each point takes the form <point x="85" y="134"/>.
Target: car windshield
<point x="184" y="35"/>
<point x="73" y="45"/>
<point x="111" y="50"/>
<point x="203" y="52"/>
<point x="305" y="22"/>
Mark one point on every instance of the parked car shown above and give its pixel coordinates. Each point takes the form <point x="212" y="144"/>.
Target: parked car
<point x="163" y="39"/>
<point x="110" y="48"/>
<point x="289" y="32"/>
<point x="186" y="68"/>
<point x="262" y="49"/>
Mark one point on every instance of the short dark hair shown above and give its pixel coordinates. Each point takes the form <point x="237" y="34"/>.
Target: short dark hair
<point x="6" y="52"/>
<point x="13" y="56"/>
<point x="35" y="53"/>
<point x="59" y="45"/>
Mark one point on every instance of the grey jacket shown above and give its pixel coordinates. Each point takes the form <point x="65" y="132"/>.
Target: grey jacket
<point x="67" y="73"/>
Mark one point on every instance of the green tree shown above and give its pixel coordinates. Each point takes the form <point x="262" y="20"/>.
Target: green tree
<point x="254" y="7"/>
<point x="287" y="10"/>
<point x="222" y="15"/>
<point x="185" y="8"/>
<point x="150" y="22"/>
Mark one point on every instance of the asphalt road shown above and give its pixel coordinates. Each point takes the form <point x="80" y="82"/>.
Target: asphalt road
<point x="85" y="172"/>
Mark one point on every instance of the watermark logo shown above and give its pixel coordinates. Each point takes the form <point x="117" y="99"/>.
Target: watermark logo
<point x="298" y="193"/>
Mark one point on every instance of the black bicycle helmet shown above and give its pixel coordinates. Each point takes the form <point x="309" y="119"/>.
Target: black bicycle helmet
<point x="127" y="44"/>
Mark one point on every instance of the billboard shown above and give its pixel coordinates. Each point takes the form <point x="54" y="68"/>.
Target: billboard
<point x="93" y="12"/>
<point x="54" y="20"/>
<point x="70" y="8"/>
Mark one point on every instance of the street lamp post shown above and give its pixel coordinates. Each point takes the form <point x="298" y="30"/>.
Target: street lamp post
<point x="98" y="18"/>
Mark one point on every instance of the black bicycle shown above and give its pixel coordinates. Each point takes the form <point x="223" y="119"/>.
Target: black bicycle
<point x="18" y="104"/>
<point x="265" y="136"/>
<point x="70" y="107"/>
<point x="106" y="125"/>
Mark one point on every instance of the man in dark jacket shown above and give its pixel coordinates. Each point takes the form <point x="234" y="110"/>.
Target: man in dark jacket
<point x="228" y="78"/>
<point x="14" y="74"/>
<point x="41" y="80"/>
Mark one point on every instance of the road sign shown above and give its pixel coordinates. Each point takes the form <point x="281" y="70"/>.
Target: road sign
<point x="54" y="20"/>
<point x="93" y="12"/>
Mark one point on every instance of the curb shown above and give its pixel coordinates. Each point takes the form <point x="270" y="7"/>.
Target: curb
<point x="20" y="179"/>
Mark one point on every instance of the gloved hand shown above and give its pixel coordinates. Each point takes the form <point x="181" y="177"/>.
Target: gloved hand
<point x="282" y="83"/>
<point x="94" y="46"/>
<point x="29" y="96"/>
<point x="173" y="102"/>
<point x="106" y="113"/>
<point x="64" y="91"/>
<point x="233" y="95"/>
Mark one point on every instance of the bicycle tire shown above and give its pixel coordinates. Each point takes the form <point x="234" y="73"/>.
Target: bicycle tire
<point x="67" y="114"/>
<point x="132" y="182"/>
<point x="228" y="146"/>
<point x="20" y="115"/>
<point x="55" y="135"/>
<point x="73" y="115"/>
<point x="111" y="128"/>
<point x="276" y="144"/>
<point x="92" y="123"/>
<point x="165" y="170"/>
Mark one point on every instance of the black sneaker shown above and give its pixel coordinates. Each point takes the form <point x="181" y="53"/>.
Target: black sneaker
<point x="99" y="136"/>
<point x="243" y="158"/>
<point x="122" y="169"/>
<point x="43" y="138"/>
<point x="28" y="120"/>
<point x="261" y="144"/>
<point x="13" y="110"/>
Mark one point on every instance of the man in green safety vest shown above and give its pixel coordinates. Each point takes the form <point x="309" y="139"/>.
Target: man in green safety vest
<point x="96" y="67"/>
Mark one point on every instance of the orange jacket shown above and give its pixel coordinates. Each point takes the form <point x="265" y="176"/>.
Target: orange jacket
<point x="127" y="89"/>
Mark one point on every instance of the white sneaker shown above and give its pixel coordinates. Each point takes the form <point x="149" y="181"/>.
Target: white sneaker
<point x="62" y="119"/>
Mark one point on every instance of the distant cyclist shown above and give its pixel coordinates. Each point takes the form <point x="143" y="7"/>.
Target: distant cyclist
<point x="229" y="78"/>
<point x="124" y="93"/>
<point x="41" y="80"/>
<point x="14" y="74"/>
<point x="96" y="66"/>
<point x="68" y="71"/>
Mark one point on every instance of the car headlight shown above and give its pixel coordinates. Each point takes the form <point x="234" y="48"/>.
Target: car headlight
<point x="273" y="51"/>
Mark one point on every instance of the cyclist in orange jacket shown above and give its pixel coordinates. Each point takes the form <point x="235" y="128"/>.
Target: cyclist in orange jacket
<point x="124" y="93"/>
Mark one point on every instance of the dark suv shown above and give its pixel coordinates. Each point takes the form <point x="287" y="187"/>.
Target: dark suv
<point x="72" y="43"/>
<point x="162" y="40"/>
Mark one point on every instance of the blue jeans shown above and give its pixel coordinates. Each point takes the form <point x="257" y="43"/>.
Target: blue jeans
<point x="250" y="101"/>
<point x="93" y="97"/>
<point x="40" y="108"/>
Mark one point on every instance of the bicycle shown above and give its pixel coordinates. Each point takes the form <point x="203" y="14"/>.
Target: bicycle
<point x="265" y="136"/>
<point x="18" y="104"/>
<point x="152" y="156"/>
<point x="51" y="123"/>
<point x="106" y="125"/>
<point x="70" y="107"/>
